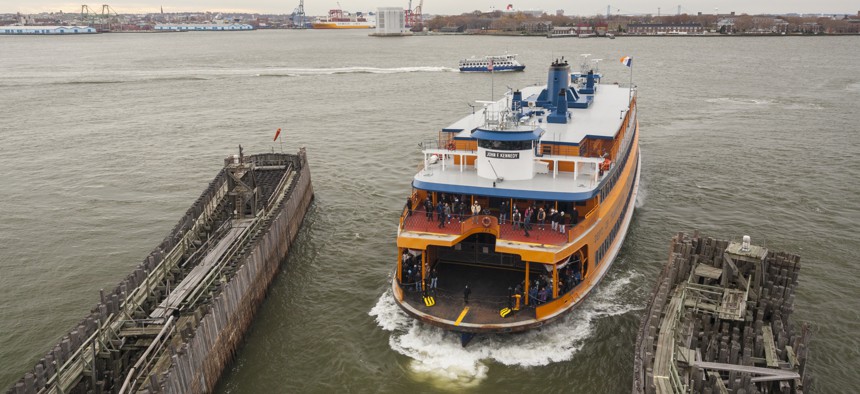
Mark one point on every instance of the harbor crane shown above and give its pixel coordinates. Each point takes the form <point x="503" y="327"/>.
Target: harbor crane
<point x="414" y="17"/>
<point x="298" y="19"/>
<point x="106" y="20"/>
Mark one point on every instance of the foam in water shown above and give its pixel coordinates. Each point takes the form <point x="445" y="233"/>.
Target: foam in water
<point x="641" y="195"/>
<point x="202" y="74"/>
<point x="438" y="358"/>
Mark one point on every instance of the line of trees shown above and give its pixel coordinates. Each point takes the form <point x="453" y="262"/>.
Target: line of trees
<point x="727" y="24"/>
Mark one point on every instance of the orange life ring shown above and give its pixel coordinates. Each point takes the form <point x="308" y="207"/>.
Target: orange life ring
<point x="451" y="145"/>
<point x="486" y="221"/>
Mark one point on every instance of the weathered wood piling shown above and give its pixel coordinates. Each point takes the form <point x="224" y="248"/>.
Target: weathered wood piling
<point x="175" y="322"/>
<point x="718" y="322"/>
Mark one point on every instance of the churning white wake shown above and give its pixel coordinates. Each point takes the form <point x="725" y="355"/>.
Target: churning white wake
<point x="438" y="358"/>
<point x="641" y="194"/>
<point x="296" y="72"/>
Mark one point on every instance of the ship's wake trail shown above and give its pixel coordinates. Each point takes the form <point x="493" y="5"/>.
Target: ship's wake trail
<point x="297" y="72"/>
<point x="438" y="358"/>
<point x="188" y="74"/>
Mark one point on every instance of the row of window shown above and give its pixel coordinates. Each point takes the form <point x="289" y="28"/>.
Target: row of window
<point x="45" y="31"/>
<point x="485" y="64"/>
<point x="623" y="154"/>
<point x="604" y="247"/>
<point x="505" y="145"/>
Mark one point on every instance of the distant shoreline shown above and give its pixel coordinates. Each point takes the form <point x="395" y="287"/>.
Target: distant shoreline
<point x="520" y="34"/>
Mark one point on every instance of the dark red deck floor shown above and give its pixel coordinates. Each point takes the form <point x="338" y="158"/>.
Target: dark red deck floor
<point x="418" y="222"/>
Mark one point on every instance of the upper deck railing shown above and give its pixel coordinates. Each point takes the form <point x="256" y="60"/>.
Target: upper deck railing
<point x="536" y="232"/>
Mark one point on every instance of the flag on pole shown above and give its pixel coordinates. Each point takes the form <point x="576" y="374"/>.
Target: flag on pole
<point x="277" y="133"/>
<point x="490" y="65"/>
<point x="627" y="61"/>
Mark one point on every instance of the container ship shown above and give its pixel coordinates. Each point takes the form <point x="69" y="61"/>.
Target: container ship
<point x="339" y="19"/>
<point x="519" y="208"/>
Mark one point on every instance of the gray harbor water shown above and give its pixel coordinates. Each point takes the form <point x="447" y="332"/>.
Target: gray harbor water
<point x="107" y="139"/>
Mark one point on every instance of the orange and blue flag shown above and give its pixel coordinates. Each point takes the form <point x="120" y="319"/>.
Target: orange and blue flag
<point x="627" y="61"/>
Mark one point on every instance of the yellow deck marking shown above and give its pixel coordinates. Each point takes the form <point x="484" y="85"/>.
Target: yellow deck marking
<point x="462" y="315"/>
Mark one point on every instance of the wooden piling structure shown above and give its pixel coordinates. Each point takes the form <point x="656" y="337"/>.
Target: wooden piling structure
<point x="139" y="338"/>
<point x="718" y="322"/>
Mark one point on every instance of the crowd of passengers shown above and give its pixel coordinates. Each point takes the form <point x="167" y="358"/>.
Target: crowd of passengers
<point x="456" y="208"/>
<point x="411" y="273"/>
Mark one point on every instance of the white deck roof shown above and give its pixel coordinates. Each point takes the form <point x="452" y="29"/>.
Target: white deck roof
<point x="602" y="119"/>
<point x="563" y="186"/>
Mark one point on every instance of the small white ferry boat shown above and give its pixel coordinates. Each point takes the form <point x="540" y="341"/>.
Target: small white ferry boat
<point x="491" y="64"/>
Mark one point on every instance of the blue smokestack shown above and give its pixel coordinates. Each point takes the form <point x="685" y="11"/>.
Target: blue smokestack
<point x="557" y="79"/>
<point x="559" y="114"/>
<point x="517" y="101"/>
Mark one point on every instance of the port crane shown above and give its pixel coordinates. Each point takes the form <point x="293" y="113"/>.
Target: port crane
<point x="297" y="19"/>
<point x="106" y="20"/>
<point x="414" y="17"/>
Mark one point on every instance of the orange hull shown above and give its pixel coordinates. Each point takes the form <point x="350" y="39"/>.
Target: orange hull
<point x="341" y="25"/>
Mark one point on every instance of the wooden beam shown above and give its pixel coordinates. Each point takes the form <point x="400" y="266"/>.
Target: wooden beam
<point x="766" y="374"/>
<point x="769" y="347"/>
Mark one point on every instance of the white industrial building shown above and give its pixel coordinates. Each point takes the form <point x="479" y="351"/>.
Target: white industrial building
<point x="47" y="30"/>
<point x="391" y="22"/>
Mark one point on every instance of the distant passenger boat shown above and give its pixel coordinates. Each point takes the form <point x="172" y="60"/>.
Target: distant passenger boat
<point x="491" y="63"/>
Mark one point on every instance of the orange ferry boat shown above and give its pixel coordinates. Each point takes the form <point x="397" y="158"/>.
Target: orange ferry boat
<point x="520" y="208"/>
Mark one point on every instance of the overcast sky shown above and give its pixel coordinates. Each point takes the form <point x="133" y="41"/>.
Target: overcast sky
<point x="445" y="7"/>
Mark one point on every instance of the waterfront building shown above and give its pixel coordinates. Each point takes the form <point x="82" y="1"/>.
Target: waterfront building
<point x="46" y="30"/>
<point x="665" y="28"/>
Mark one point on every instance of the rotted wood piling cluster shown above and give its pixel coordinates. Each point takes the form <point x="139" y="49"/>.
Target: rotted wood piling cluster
<point x="718" y="322"/>
<point x="176" y="321"/>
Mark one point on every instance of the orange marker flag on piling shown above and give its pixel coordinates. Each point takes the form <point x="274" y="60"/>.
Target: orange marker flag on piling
<point x="277" y="133"/>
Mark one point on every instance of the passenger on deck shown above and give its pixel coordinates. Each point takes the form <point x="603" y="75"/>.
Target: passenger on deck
<point x="553" y="218"/>
<point x="517" y="218"/>
<point x="503" y="212"/>
<point x="542" y="295"/>
<point x="407" y="276"/>
<point x="533" y="295"/>
<point x="408" y="206"/>
<point x="466" y="293"/>
<point x="541" y="218"/>
<point x="574" y="217"/>
<point x="440" y="214"/>
<point x="476" y="210"/>
<point x="447" y="212"/>
<point x="434" y="277"/>
<point x="561" y="221"/>
<point x="461" y="210"/>
<point x="527" y="221"/>
<point x="428" y="207"/>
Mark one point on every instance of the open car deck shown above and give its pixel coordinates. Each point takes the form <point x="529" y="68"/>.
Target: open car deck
<point x="492" y="289"/>
<point x="489" y="295"/>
